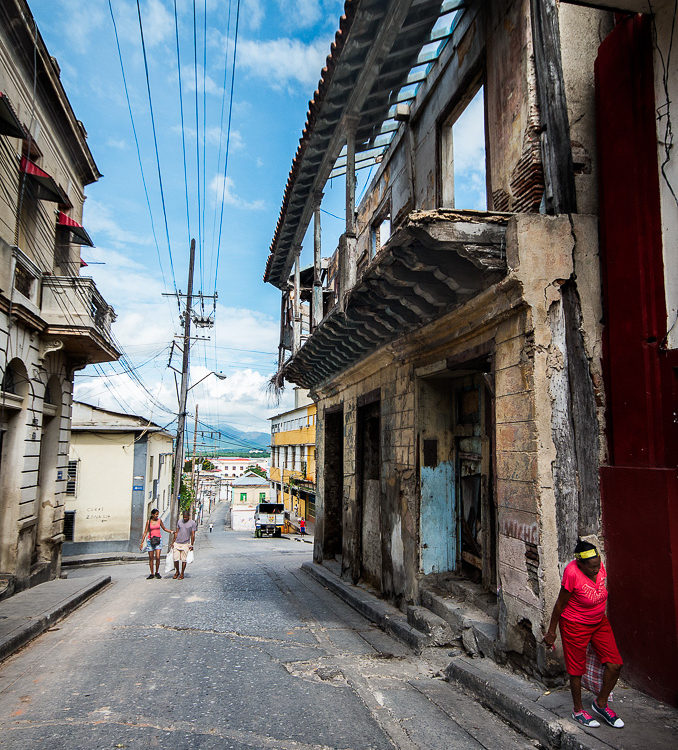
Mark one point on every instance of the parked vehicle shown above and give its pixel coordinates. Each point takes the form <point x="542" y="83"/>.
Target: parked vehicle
<point x="269" y="518"/>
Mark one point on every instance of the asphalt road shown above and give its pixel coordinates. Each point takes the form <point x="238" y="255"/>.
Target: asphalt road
<point x="246" y="652"/>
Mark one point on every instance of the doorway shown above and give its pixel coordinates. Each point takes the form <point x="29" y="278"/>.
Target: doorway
<point x="368" y="476"/>
<point x="333" y="495"/>
<point x="457" y="510"/>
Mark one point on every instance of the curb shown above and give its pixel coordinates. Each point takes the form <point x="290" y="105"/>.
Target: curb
<point x="387" y="617"/>
<point x="31" y="630"/>
<point x="514" y="700"/>
<point x="77" y="561"/>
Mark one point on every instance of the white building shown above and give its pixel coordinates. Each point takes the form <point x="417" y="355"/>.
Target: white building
<point x="119" y="469"/>
<point x="248" y="492"/>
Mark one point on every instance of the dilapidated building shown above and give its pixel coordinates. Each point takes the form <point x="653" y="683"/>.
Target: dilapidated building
<point x="52" y="320"/>
<point x="492" y="384"/>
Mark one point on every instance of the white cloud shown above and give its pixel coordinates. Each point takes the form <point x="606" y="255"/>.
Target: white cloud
<point x="306" y="13"/>
<point x="468" y="135"/>
<point x="80" y="35"/>
<point x="252" y="13"/>
<point x="283" y="62"/>
<point x="98" y="219"/>
<point x="212" y="136"/>
<point x="224" y="186"/>
<point x="158" y="23"/>
<point x="117" y="143"/>
<point x="147" y="328"/>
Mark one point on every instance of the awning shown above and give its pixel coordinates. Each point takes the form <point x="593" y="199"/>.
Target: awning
<point x="46" y="187"/>
<point x="9" y="122"/>
<point x="78" y="232"/>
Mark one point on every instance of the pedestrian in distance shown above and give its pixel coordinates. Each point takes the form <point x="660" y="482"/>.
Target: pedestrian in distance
<point x="154" y="534"/>
<point x="580" y="612"/>
<point x="211" y="525"/>
<point x="302" y="526"/>
<point x="184" y="539"/>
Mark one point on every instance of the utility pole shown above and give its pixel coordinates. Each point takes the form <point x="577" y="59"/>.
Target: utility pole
<point x="179" y="449"/>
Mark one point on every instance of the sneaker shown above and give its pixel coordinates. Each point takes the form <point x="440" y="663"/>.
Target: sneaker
<point x="148" y="578"/>
<point x="608" y="716"/>
<point x="585" y="718"/>
<point x="157" y="575"/>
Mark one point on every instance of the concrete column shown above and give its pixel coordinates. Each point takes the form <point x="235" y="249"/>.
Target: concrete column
<point x="296" y="343"/>
<point x="317" y="307"/>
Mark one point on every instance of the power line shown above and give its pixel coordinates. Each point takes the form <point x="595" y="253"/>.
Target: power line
<point x="228" y="140"/>
<point x="183" y="130"/>
<point x="155" y="142"/>
<point x="136" y="141"/>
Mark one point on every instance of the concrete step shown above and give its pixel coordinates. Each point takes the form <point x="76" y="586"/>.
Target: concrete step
<point x="462" y="590"/>
<point x="476" y="629"/>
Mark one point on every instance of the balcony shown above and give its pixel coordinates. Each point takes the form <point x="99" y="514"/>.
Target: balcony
<point x="434" y="262"/>
<point x="77" y="315"/>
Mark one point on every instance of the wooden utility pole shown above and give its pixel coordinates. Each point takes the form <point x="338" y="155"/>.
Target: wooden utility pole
<point x="183" y="393"/>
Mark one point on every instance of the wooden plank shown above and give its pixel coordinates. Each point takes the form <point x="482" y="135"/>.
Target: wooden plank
<point x="559" y="196"/>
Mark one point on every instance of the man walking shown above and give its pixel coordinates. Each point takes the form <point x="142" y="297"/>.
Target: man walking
<point x="184" y="539"/>
<point x="211" y="525"/>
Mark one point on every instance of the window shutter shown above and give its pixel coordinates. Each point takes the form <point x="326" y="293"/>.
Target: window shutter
<point x="72" y="478"/>
<point x="69" y="525"/>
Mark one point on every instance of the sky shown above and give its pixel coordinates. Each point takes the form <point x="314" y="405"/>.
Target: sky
<point x="281" y="49"/>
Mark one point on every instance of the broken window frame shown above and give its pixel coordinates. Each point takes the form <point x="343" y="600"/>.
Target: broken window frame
<point x="445" y="161"/>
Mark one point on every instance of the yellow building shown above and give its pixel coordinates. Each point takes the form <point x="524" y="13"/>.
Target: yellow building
<point x="292" y="470"/>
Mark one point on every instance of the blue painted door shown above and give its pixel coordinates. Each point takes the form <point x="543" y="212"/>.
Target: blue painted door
<point x="438" y="518"/>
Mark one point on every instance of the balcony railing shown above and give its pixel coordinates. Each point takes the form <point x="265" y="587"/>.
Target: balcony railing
<point x="75" y="312"/>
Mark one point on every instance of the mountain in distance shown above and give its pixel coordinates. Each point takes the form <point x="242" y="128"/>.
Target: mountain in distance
<point x="233" y="439"/>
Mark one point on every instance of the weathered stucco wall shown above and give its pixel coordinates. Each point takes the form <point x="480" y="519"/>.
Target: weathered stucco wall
<point x="103" y="499"/>
<point x="537" y="476"/>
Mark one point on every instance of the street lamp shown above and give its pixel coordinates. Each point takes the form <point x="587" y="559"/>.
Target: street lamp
<point x="179" y="448"/>
<point x="219" y="375"/>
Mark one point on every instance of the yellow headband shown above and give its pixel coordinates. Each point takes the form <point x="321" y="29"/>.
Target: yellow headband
<point x="586" y="553"/>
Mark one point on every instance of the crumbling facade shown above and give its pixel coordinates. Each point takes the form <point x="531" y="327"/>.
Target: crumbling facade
<point x="466" y="364"/>
<point x="52" y="321"/>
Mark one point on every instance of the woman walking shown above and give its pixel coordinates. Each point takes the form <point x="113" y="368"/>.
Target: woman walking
<point x="154" y="533"/>
<point x="580" y="612"/>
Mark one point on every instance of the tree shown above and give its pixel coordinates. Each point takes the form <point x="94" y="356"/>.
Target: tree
<point x="256" y="470"/>
<point x="207" y="465"/>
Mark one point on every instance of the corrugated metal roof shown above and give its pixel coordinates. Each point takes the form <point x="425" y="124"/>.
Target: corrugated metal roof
<point x="374" y="51"/>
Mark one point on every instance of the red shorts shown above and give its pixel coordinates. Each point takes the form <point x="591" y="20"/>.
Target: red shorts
<point x="576" y="637"/>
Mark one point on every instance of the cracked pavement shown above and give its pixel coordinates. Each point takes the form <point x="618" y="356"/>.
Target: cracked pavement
<point x="246" y="652"/>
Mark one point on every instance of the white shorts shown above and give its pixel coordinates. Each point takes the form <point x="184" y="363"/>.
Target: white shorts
<point x="180" y="551"/>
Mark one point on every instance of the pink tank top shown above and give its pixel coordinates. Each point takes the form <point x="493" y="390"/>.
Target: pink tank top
<point x="154" y="529"/>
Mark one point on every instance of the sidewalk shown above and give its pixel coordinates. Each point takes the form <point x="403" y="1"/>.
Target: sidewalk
<point x="29" y="613"/>
<point x="99" y="558"/>
<point x="525" y="704"/>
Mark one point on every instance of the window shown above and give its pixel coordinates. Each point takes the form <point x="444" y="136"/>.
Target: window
<point x="23" y="281"/>
<point x="262" y="497"/>
<point x="380" y="233"/>
<point x="9" y="381"/>
<point x="72" y="478"/>
<point x="463" y="173"/>
<point x="243" y="497"/>
<point x="150" y="469"/>
<point x="69" y="525"/>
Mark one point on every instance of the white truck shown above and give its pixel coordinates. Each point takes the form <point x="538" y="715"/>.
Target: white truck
<point x="269" y="518"/>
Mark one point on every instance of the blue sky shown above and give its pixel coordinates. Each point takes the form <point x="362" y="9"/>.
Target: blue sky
<point x="279" y="59"/>
<point x="282" y="47"/>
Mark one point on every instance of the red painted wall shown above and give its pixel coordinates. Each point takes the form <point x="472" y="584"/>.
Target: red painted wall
<point x="640" y="486"/>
